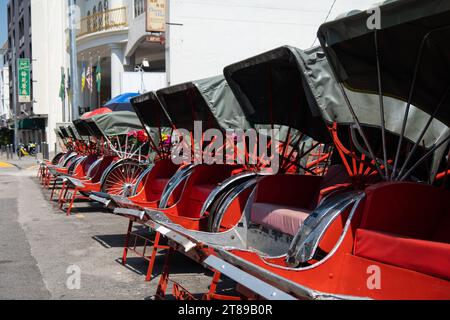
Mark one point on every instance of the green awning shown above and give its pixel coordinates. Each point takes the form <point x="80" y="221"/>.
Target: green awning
<point x="31" y="124"/>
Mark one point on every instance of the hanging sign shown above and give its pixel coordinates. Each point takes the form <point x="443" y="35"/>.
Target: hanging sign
<point x="156" y="15"/>
<point x="24" y="80"/>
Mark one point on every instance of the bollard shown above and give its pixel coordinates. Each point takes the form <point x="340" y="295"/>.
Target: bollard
<point x="45" y="154"/>
<point x="37" y="151"/>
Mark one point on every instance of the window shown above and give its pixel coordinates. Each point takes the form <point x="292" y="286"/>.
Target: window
<point x="9" y="14"/>
<point x="94" y="18"/>
<point x="100" y="17"/>
<point x="106" y="5"/>
<point x="21" y="28"/>
<point x="88" y="21"/>
<point x="139" y="7"/>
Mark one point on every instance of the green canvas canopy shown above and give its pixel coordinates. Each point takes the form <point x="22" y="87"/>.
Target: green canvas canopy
<point x="396" y="52"/>
<point x="272" y="90"/>
<point x="115" y="123"/>
<point x="412" y="46"/>
<point x="208" y="100"/>
<point x="332" y="104"/>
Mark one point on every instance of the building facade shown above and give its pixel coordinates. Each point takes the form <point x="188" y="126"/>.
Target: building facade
<point x="5" y="112"/>
<point x="36" y="31"/>
<point x="50" y="60"/>
<point x="112" y="36"/>
<point x="181" y="40"/>
<point x="19" y="44"/>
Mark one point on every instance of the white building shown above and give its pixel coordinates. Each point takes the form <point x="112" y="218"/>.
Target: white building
<point x="5" y="112"/>
<point x="204" y="36"/>
<point x="48" y="25"/>
<point x="188" y="39"/>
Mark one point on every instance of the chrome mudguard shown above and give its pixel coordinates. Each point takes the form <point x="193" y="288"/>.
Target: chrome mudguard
<point x="306" y="241"/>
<point x="141" y="177"/>
<point x="174" y="182"/>
<point x="224" y="187"/>
<point x="271" y="280"/>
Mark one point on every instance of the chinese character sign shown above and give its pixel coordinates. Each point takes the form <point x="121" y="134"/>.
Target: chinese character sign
<point x="24" y="80"/>
<point x="156" y="15"/>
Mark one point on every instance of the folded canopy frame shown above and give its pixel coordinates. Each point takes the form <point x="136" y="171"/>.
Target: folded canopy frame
<point x="272" y="91"/>
<point x="61" y="133"/>
<point x="155" y="122"/>
<point x="405" y="60"/>
<point x="111" y="127"/>
<point x="209" y="101"/>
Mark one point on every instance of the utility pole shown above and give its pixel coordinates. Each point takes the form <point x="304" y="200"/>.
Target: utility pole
<point x="15" y="81"/>
<point x="73" y="15"/>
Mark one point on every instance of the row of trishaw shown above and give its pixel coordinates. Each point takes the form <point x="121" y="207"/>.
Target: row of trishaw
<point x="298" y="174"/>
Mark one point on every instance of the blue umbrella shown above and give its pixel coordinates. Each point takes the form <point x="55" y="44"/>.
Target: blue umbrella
<point x="121" y="102"/>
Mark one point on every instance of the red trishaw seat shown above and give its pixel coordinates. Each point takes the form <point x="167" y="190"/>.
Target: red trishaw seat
<point x="282" y="218"/>
<point x="158" y="185"/>
<point x="406" y="225"/>
<point x="283" y="202"/>
<point x="428" y="257"/>
<point x="201" y="192"/>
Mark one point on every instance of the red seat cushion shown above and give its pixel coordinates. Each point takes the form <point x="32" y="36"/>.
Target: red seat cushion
<point x="158" y="185"/>
<point x="202" y="191"/>
<point x="427" y="257"/>
<point x="442" y="232"/>
<point x="412" y="210"/>
<point x="282" y="218"/>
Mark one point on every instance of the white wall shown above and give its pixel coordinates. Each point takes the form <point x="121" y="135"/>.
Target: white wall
<point x="206" y="35"/>
<point x="48" y="25"/>
<point x="88" y="5"/>
<point x="131" y="81"/>
<point x="4" y="92"/>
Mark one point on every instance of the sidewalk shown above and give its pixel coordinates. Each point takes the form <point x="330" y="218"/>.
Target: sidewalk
<point x="39" y="244"/>
<point x="21" y="164"/>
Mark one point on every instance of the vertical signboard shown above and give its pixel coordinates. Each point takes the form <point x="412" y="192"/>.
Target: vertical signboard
<point x="156" y="15"/>
<point x="23" y="66"/>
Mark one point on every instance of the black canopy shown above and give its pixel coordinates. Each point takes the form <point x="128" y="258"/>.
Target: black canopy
<point x="272" y="90"/>
<point x="150" y="112"/>
<point x="81" y="127"/>
<point x="209" y="100"/>
<point x="414" y="36"/>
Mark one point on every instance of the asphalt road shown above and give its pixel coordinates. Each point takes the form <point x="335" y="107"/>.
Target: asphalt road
<point x="40" y="247"/>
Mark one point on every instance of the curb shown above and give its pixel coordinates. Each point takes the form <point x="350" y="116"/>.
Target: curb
<point x="7" y="165"/>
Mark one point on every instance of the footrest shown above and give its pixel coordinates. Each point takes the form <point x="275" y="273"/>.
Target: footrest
<point x="53" y="171"/>
<point x="99" y="199"/>
<point x="101" y="195"/>
<point x="130" y="213"/>
<point x="126" y="203"/>
<point x="120" y="199"/>
<point x="77" y="183"/>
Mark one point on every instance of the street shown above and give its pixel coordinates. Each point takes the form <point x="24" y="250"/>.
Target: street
<point x="39" y="245"/>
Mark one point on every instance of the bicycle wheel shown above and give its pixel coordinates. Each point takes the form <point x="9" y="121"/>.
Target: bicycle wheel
<point x="122" y="178"/>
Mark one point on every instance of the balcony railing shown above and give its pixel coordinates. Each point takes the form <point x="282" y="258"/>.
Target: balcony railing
<point x="102" y="21"/>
